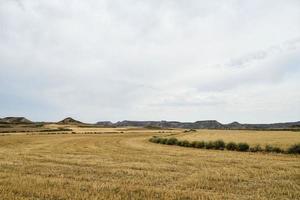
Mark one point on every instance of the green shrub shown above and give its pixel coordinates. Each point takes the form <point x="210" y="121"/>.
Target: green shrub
<point x="163" y="140"/>
<point x="158" y="139"/>
<point x="256" y="148"/>
<point x="190" y="130"/>
<point x="154" y="139"/>
<point x="193" y="144"/>
<point x="294" y="149"/>
<point x="186" y="143"/>
<point x="200" y="144"/>
<point x="270" y="148"/>
<point x="219" y="144"/>
<point x="231" y="146"/>
<point x="172" y="141"/>
<point x="277" y="150"/>
<point x="209" y="145"/>
<point x="180" y="143"/>
<point x="242" y="146"/>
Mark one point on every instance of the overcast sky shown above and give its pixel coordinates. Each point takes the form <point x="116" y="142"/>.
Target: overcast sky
<point x="233" y="60"/>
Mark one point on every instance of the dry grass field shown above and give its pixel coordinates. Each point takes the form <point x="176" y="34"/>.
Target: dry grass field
<point x="123" y="164"/>
<point x="282" y="139"/>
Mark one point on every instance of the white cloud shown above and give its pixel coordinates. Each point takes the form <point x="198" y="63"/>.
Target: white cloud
<point x="180" y="60"/>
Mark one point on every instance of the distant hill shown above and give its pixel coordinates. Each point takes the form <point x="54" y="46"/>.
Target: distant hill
<point x="213" y="124"/>
<point x="210" y="124"/>
<point x="105" y="123"/>
<point x="235" y="125"/>
<point x="15" y="120"/>
<point x="206" y="124"/>
<point x="69" y="120"/>
<point x="273" y="126"/>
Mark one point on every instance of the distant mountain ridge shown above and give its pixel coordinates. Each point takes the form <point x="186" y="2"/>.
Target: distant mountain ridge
<point x="206" y="124"/>
<point x="165" y="124"/>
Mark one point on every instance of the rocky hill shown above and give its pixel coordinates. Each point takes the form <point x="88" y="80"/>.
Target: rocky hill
<point x="69" y="120"/>
<point x="15" y="120"/>
<point x="105" y="124"/>
<point x="235" y="125"/>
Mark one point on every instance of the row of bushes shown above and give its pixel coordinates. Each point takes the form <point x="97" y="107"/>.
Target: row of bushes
<point x="37" y="130"/>
<point x="221" y="145"/>
<point x="54" y="130"/>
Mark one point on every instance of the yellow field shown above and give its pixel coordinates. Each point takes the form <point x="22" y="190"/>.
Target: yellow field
<point x="282" y="139"/>
<point x="122" y="164"/>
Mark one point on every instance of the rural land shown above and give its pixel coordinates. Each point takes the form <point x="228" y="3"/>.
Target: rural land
<point x="149" y="100"/>
<point x="148" y="160"/>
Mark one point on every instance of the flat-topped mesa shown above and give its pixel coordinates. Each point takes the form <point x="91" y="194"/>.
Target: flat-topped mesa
<point x="69" y="120"/>
<point x="15" y="120"/>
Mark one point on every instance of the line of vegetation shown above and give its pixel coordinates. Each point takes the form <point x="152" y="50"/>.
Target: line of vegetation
<point x="296" y="129"/>
<point x="221" y="145"/>
<point x="55" y="130"/>
<point x="96" y="126"/>
<point x="36" y="130"/>
<point x="17" y="131"/>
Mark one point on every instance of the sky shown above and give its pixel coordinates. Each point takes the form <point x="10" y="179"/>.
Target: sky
<point x="113" y="60"/>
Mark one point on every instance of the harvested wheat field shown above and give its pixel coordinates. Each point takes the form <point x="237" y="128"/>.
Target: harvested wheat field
<point x="282" y="139"/>
<point x="123" y="164"/>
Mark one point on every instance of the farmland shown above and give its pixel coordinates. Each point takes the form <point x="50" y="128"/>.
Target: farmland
<point x="120" y="163"/>
<point x="282" y="139"/>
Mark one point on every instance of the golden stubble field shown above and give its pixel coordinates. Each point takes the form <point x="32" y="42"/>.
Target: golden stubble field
<point x="282" y="139"/>
<point x="123" y="164"/>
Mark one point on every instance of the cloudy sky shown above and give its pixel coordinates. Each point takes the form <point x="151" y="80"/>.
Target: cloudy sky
<point x="150" y="60"/>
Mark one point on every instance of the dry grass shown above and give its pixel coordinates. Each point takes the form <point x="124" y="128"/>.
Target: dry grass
<point x="127" y="166"/>
<point x="282" y="139"/>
